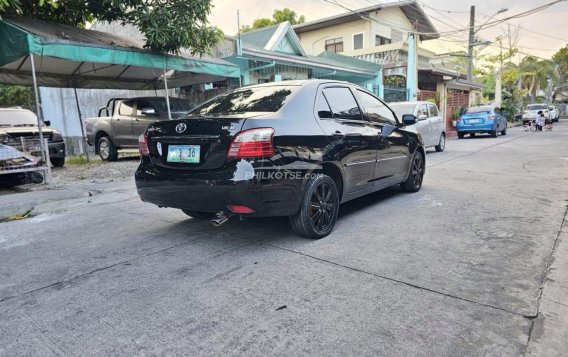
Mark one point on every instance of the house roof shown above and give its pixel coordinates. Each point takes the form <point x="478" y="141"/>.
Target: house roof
<point x="271" y="38"/>
<point x="410" y="8"/>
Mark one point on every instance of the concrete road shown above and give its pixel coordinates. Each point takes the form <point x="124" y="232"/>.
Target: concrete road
<point x="455" y="269"/>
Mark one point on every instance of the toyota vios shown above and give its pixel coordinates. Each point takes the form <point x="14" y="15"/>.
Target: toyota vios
<point x="481" y="119"/>
<point x="294" y="148"/>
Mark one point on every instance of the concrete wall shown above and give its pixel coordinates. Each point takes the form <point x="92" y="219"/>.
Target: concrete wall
<point x="59" y="107"/>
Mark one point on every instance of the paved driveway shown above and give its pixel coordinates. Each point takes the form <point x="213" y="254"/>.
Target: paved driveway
<point x="455" y="269"/>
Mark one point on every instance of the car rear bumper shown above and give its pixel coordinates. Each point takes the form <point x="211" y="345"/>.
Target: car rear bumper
<point x="478" y="128"/>
<point x="214" y="191"/>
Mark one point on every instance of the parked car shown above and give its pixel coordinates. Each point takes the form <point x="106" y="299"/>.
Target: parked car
<point x="532" y="112"/>
<point x="18" y="123"/>
<point x="122" y="121"/>
<point x="293" y="148"/>
<point x="554" y="113"/>
<point x="429" y="122"/>
<point x="481" y="119"/>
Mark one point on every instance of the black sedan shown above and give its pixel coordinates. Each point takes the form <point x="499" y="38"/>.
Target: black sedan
<point x="294" y="148"/>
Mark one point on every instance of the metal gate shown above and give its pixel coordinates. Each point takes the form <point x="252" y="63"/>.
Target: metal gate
<point x="395" y="94"/>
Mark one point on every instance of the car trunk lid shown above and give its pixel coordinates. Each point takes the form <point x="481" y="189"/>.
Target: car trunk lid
<point x="194" y="143"/>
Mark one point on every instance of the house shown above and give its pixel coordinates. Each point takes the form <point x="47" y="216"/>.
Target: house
<point x="275" y="53"/>
<point x="379" y="34"/>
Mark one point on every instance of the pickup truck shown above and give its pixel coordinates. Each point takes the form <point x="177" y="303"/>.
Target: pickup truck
<point x="123" y="120"/>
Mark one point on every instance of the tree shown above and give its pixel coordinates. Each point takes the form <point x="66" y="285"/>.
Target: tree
<point x="287" y="15"/>
<point x="278" y="16"/>
<point x="11" y="95"/>
<point x="169" y="25"/>
<point x="561" y="58"/>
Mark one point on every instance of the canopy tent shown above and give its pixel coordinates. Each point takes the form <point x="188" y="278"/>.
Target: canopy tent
<point x="71" y="57"/>
<point x="40" y="53"/>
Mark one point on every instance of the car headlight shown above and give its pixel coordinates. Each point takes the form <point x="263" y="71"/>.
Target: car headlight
<point x="56" y="136"/>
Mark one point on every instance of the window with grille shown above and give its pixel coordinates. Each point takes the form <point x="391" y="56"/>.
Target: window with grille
<point x="334" y="45"/>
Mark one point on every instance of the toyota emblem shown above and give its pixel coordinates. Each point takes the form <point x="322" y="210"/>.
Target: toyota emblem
<point x="180" y="128"/>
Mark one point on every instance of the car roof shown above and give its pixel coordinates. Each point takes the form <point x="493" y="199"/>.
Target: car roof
<point x="299" y="82"/>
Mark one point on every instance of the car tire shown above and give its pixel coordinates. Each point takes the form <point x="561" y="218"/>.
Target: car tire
<point x="318" y="209"/>
<point x="494" y="133"/>
<point x="199" y="214"/>
<point x="504" y="131"/>
<point x="441" y="144"/>
<point x="460" y="135"/>
<point x="415" y="175"/>
<point x="58" y="162"/>
<point x="106" y="149"/>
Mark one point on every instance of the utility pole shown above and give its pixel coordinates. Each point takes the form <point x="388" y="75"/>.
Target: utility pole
<point x="471" y="44"/>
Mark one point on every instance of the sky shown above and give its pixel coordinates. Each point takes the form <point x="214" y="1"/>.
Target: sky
<point x="541" y="34"/>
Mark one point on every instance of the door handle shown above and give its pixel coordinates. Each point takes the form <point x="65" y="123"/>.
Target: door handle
<point x="338" y="135"/>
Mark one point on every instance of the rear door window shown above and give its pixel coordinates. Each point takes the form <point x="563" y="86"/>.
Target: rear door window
<point x="126" y="108"/>
<point x="342" y="103"/>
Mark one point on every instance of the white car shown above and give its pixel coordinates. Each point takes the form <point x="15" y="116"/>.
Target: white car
<point x="531" y="113"/>
<point x="554" y="113"/>
<point x="429" y="122"/>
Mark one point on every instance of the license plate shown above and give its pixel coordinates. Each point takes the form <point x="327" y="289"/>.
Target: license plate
<point x="473" y="121"/>
<point x="187" y="154"/>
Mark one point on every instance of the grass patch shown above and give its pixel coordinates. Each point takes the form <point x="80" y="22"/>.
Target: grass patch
<point x="80" y="160"/>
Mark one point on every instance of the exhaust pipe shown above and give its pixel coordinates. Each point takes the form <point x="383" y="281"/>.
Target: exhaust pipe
<point x="220" y="219"/>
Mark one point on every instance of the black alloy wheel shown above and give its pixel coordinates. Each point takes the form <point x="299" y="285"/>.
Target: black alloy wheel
<point x="416" y="175"/>
<point x="318" y="210"/>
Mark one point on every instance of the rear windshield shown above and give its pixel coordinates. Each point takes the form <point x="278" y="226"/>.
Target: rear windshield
<point x="401" y="109"/>
<point x="537" y="107"/>
<point x="17" y="118"/>
<point x="260" y="99"/>
<point x="479" y="109"/>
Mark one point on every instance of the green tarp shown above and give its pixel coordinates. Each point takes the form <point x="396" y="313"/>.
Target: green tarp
<point x="71" y="57"/>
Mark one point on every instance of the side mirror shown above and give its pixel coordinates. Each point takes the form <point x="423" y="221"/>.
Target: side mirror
<point x="387" y="130"/>
<point x="148" y="111"/>
<point x="47" y="122"/>
<point x="325" y="114"/>
<point x="408" y="119"/>
<point x="422" y="117"/>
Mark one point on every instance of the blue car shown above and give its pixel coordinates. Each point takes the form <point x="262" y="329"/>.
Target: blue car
<point x="482" y="119"/>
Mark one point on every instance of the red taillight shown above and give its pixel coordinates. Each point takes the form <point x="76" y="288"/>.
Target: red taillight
<point x="491" y="117"/>
<point x="143" y="145"/>
<point x="252" y="143"/>
<point x="458" y="120"/>
<point x="240" y="209"/>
